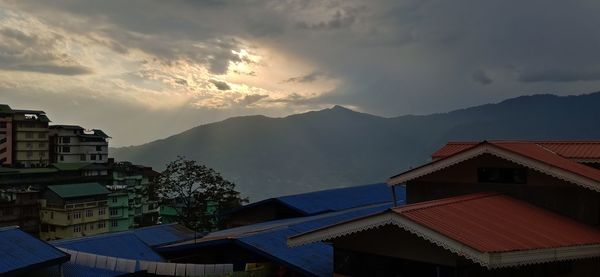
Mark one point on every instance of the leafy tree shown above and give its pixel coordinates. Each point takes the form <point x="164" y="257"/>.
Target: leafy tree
<point x="197" y="193"/>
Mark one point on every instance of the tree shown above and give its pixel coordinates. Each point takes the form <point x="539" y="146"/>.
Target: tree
<point x="191" y="189"/>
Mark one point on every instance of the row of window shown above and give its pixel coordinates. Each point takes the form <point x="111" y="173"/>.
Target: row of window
<point x="29" y="135"/>
<point x="83" y="157"/>
<point x="90" y="227"/>
<point x="40" y="145"/>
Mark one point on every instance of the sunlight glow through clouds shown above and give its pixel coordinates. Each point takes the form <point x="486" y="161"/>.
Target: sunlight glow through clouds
<point x="57" y="60"/>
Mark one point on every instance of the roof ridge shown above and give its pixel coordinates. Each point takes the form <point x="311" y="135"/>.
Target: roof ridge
<point x="444" y="201"/>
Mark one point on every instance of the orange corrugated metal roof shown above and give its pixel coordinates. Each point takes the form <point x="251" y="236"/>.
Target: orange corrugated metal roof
<point x="537" y="152"/>
<point x="569" y="149"/>
<point x="490" y="222"/>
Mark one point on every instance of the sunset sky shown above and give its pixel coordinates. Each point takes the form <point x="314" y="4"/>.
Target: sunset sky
<point x="144" y="70"/>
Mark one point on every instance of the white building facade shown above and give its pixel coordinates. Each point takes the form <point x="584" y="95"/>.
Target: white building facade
<point x="74" y="144"/>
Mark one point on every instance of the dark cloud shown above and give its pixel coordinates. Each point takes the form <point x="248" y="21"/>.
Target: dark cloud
<point x="252" y="98"/>
<point x="481" y="77"/>
<point x="220" y="85"/>
<point x="561" y="75"/>
<point x="31" y="53"/>
<point x="308" y="78"/>
<point x="340" y="19"/>
<point x="390" y="57"/>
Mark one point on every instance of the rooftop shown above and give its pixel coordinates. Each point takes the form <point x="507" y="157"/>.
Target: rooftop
<point x="491" y="229"/>
<point x="525" y="153"/>
<point x="332" y="199"/>
<point x="578" y="150"/>
<point x="78" y="190"/>
<point x="20" y="252"/>
<point x="122" y="245"/>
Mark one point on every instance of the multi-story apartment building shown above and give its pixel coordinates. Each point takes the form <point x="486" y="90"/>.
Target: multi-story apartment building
<point x="6" y="135"/>
<point x="30" y="138"/>
<point x="134" y="182"/>
<point x="20" y="208"/>
<point x="74" y="210"/>
<point x="71" y="144"/>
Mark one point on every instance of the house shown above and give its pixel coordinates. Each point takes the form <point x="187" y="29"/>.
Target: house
<point x="21" y="254"/>
<point x="30" y="138"/>
<point x="311" y="203"/>
<point x="74" y="210"/>
<point x="20" y="207"/>
<point x="263" y="246"/>
<point x="132" y="200"/>
<point x="6" y="135"/>
<point x="72" y="143"/>
<point x="490" y="208"/>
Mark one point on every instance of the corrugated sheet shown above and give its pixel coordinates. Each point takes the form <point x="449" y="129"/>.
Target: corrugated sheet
<point x="163" y="234"/>
<point x="491" y="222"/>
<point x="123" y="245"/>
<point x="537" y="152"/>
<point x="19" y="250"/>
<point x="78" y="190"/>
<point x="534" y="151"/>
<point x="270" y="239"/>
<point x="568" y="149"/>
<point x="332" y="199"/>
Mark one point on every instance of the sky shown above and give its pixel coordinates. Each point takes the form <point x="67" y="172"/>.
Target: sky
<point x="144" y="70"/>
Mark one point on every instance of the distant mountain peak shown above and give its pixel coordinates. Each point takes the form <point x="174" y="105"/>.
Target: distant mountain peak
<point x="340" y="108"/>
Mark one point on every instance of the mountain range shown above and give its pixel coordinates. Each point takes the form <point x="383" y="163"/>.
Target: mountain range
<point x="337" y="147"/>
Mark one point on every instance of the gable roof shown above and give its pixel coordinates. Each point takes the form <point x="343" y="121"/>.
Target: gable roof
<point x="269" y="239"/>
<point x="332" y="199"/>
<point x="575" y="150"/>
<point x="490" y="229"/>
<point x="20" y="252"/>
<point x="525" y="153"/>
<point x="158" y="235"/>
<point x="78" y="190"/>
<point x="122" y="245"/>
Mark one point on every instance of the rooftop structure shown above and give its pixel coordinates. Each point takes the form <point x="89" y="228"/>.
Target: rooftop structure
<point x="311" y="203"/>
<point x="21" y="253"/>
<point x="72" y="143"/>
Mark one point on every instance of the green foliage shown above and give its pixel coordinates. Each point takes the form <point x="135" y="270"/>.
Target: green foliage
<point x="197" y="193"/>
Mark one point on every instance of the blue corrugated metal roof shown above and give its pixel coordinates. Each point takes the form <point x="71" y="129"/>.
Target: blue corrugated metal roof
<point x="341" y="198"/>
<point x="163" y="234"/>
<point x="334" y="199"/>
<point x="123" y="245"/>
<point x="269" y="239"/>
<point x="21" y="251"/>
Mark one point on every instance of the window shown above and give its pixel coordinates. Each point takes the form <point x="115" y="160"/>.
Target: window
<point x="29" y="145"/>
<point x="101" y="225"/>
<point x="66" y="140"/>
<point x="52" y="228"/>
<point x="82" y="157"/>
<point x="42" y="145"/>
<point x="98" y="148"/>
<point x="2" y="124"/>
<point x="66" y="149"/>
<point x="51" y="215"/>
<point x="29" y="154"/>
<point x="76" y="215"/>
<point x="101" y="211"/>
<point x="91" y="226"/>
<point x="93" y="157"/>
<point x="114" y="211"/>
<point x="502" y="175"/>
<point x="114" y="223"/>
<point x="62" y="158"/>
<point x="69" y="216"/>
<point x="77" y="228"/>
<point x="89" y="213"/>
<point x="42" y="135"/>
<point x="28" y="135"/>
<point x="114" y="199"/>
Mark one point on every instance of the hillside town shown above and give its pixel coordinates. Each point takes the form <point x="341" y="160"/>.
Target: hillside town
<point x="478" y="208"/>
